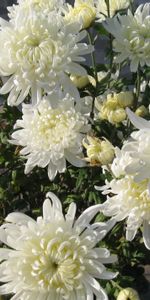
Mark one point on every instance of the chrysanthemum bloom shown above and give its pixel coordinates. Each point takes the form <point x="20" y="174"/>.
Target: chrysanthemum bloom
<point x="132" y="34"/>
<point x="84" y="11"/>
<point x="21" y="11"/>
<point x="128" y="294"/>
<point x="112" y="107"/>
<point x="56" y="256"/>
<point x="131" y="201"/>
<point x="39" y="54"/>
<point x="50" y="134"/>
<point x="99" y="152"/>
<point x="139" y="148"/>
<point x="114" y="7"/>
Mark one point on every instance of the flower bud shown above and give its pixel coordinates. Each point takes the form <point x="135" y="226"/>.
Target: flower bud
<point x="84" y="11"/>
<point x="99" y="152"/>
<point x="141" y="111"/>
<point x="117" y="116"/>
<point x="111" y="107"/>
<point x="79" y="81"/>
<point x="128" y="294"/>
<point x="125" y="99"/>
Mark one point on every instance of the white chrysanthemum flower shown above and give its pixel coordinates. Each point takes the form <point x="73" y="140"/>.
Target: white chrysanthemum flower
<point x="50" y="134"/>
<point x="131" y="201"/>
<point x="132" y="34"/>
<point x="56" y="256"/>
<point x="39" y="54"/>
<point x="139" y="148"/>
<point x="21" y="11"/>
<point x="114" y="7"/>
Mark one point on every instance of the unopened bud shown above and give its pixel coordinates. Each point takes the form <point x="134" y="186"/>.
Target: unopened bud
<point x="99" y="152"/>
<point x="128" y="294"/>
<point x="79" y="81"/>
<point x="84" y="11"/>
<point x="141" y="111"/>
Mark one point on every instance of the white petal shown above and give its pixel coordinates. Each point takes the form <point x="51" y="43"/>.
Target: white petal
<point x="76" y="69"/>
<point x="19" y="218"/>
<point x="52" y="171"/>
<point x="146" y="234"/>
<point x="109" y="260"/>
<point x="70" y="216"/>
<point x="138" y="122"/>
<point x="130" y="234"/>
<point x="3" y="236"/>
<point x="7" y="86"/>
<point x="74" y="160"/>
<point x="98" y="290"/>
<point x="69" y="87"/>
<point x="107" y="275"/>
<point x="87" y="216"/>
<point x="89" y="292"/>
<point x="61" y="165"/>
<point x="47" y="208"/>
<point x="55" y="200"/>
<point x="4" y="253"/>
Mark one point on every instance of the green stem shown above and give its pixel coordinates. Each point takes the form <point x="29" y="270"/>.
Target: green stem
<point x="138" y="84"/>
<point x="95" y="73"/>
<point x="110" y="39"/>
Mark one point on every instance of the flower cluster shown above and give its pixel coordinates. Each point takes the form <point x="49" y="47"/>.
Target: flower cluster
<point x="129" y="190"/>
<point x="41" y="50"/>
<point x="73" y="113"/>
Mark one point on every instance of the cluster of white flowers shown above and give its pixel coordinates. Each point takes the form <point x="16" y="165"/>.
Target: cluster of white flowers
<point x="44" y="44"/>
<point x="130" y="190"/>
<point x="41" y="49"/>
<point x="56" y="256"/>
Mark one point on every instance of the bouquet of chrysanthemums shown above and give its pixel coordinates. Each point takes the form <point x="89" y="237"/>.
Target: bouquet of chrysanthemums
<point x="81" y="126"/>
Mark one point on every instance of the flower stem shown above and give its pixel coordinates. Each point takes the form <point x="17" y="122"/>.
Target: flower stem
<point x="93" y="58"/>
<point x="138" y="84"/>
<point x="110" y="39"/>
